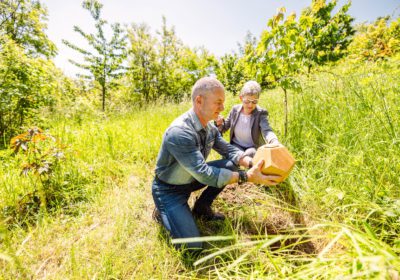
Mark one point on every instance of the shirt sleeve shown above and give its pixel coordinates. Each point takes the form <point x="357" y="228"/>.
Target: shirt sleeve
<point x="183" y="146"/>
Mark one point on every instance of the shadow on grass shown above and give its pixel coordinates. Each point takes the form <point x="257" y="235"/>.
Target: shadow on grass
<point x="258" y="211"/>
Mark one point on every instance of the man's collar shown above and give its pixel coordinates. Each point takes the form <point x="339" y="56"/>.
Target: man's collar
<point x="196" y="122"/>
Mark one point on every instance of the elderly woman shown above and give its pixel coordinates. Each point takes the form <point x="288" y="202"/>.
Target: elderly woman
<point x="248" y="123"/>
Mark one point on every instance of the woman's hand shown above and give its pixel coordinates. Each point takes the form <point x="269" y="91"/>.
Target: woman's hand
<point x="219" y="121"/>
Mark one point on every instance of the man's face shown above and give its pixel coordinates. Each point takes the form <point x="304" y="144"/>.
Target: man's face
<point x="212" y="104"/>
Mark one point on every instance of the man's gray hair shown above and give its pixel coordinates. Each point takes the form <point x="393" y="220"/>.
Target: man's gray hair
<point x="204" y="85"/>
<point x="251" y="88"/>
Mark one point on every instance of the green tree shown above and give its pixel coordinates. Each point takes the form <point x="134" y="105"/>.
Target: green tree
<point x="194" y="64"/>
<point x="230" y="72"/>
<point x="168" y="50"/>
<point x="162" y="66"/>
<point x="24" y="21"/>
<point x="105" y="63"/>
<point x="279" y="54"/>
<point x="248" y="61"/>
<point x="26" y="85"/>
<point x="287" y="47"/>
<point x="143" y="64"/>
<point x="236" y="68"/>
<point x="326" y="35"/>
<point x="378" y="40"/>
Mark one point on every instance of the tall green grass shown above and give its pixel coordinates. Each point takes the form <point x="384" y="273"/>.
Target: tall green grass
<point x="336" y="216"/>
<point x="344" y="132"/>
<point x="102" y="153"/>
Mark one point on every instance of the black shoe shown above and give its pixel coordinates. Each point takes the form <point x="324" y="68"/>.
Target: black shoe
<point x="206" y="213"/>
<point x="157" y="216"/>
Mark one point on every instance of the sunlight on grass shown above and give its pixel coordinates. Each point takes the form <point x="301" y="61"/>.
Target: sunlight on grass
<point x="337" y="214"/>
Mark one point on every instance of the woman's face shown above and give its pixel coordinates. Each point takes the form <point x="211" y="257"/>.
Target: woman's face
<point x="249" y="103"/>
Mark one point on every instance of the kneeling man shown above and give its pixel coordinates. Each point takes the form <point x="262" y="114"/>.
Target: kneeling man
<point x="182" y="168"/>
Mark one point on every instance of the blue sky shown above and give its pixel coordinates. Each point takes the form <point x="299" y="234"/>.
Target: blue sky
<point x="217" y="25"/>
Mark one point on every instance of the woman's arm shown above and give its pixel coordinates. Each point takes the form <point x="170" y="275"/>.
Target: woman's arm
<point x="266" y="130"/>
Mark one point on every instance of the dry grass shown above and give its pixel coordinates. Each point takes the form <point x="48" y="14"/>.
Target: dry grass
<point x="113" y="238"/>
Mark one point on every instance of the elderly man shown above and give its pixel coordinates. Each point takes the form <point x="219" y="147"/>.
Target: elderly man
<point x="182" y="168"/>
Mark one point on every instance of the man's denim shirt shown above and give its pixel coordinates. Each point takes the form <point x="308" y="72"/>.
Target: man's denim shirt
<point x="182" y="159"/>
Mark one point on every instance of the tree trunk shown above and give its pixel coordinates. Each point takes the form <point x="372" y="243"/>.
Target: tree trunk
<point x="286" y="111"/>
<point x="103" y="90"/>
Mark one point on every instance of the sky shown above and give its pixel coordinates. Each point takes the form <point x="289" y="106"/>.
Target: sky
<point x="217" y="25"/>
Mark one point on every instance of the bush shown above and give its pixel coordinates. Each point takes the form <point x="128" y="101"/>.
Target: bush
<point x="27" y="84"/>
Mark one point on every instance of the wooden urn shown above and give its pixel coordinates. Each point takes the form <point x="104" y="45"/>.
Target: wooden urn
<point x="277" y="160"/>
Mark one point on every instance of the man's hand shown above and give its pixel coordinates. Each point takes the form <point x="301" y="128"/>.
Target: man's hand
<point x="255" y="175"/>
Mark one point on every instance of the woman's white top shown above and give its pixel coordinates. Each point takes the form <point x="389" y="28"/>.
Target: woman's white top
<point x="242" y="133"/>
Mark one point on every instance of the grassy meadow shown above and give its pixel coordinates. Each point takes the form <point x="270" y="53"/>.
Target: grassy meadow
<point x="337" y="215"/>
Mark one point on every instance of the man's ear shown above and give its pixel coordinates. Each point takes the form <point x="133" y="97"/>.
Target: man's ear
<point x="198" y="100"/>
<point x="241" y="98"/>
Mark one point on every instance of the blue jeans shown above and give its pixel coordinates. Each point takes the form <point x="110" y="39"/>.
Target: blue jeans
<point x="172" y="202"/>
